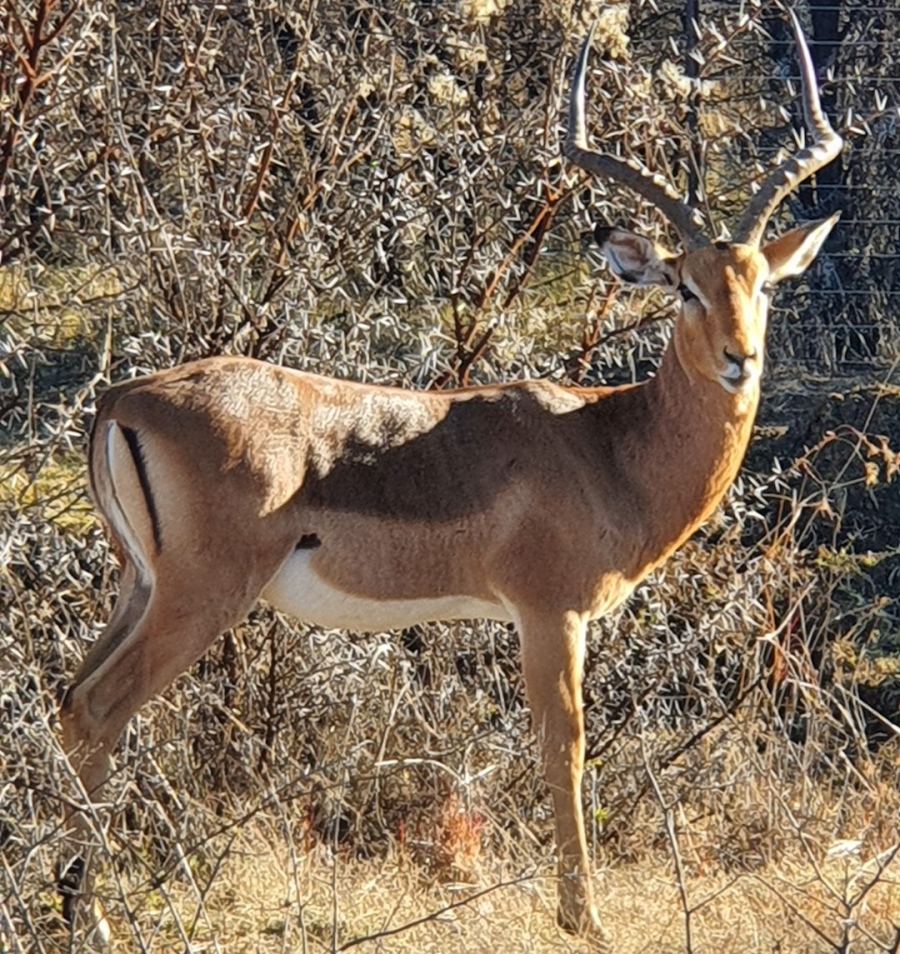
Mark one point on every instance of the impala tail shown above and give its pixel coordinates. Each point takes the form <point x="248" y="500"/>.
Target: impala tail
<point x="120" y="485"/>
<point x="121" y="490"/>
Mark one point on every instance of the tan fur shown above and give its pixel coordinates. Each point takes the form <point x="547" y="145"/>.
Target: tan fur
<point x="553" y="502"/>
<point x="544" y="504"/>
<point x="550" y="502"/>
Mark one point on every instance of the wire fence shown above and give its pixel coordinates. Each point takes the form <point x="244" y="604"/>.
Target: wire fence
<point x="843" y="318"/>
<point x="329" y="163"/>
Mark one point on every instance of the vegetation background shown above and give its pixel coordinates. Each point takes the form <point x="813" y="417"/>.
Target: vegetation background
<point x="375" y="190"/>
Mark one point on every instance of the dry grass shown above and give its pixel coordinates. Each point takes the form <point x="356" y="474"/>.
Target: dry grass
<point x="301" y="789"/>
<point x="269" y="895"/>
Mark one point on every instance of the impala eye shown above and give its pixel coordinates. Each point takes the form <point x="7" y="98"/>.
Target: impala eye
<point x="686" y="293"/>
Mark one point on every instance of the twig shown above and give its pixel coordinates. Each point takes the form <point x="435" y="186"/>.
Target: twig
<point x="434" y="915"/>
<point x="672" y="835"/>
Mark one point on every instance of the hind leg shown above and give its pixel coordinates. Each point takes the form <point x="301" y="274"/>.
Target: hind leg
<point x="156" y="632"/>
<point x="94" y="767"/>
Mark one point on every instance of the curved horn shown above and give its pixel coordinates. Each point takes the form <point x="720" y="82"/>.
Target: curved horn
<point x="826" y="145"/>
<point x="651" y="187"/>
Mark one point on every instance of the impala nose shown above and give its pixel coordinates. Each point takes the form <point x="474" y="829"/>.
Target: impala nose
<point x="739" y="368"/>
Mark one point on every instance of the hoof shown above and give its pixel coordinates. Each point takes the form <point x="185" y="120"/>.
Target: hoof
<point x="583" y="921"/>
<point x="97" y="936"/>
<point x="68" y="883"/>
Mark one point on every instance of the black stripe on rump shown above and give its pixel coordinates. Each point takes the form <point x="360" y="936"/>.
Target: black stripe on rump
<point x="137" y="455"/>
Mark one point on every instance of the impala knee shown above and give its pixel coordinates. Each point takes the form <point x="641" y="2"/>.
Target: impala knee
<point x="106" y="689"/>
<point x="562" y="741"/>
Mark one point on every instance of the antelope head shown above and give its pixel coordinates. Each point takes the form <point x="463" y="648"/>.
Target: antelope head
<point x="724" y="286"/>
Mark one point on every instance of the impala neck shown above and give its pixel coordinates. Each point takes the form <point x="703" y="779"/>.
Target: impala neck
<point x="696" y="437"/>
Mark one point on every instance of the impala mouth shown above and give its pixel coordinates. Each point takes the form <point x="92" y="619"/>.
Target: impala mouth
<point x="741" y="382"/>
<point x="737" y="385"/>
<point x="741" y="372"/>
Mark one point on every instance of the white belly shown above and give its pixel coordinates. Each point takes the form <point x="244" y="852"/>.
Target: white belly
<point x="296" y="589"/>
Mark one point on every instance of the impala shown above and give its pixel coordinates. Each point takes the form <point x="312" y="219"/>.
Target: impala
<point x="228" y="480"/>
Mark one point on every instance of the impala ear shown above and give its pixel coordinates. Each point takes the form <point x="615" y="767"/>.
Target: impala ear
<point x="636" y="259"/>
<point x="794" y="252"/>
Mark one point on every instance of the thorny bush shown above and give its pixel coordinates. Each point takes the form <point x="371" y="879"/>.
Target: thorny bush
<point x="375" y="191"/>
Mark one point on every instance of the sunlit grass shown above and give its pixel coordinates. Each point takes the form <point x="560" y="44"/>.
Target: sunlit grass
<point x="53" y="305"/>
<point x="56" y="488"/>
<point x="267" y="895"/>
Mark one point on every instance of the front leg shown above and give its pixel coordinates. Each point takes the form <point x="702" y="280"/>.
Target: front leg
<point x="553" y="660"/>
